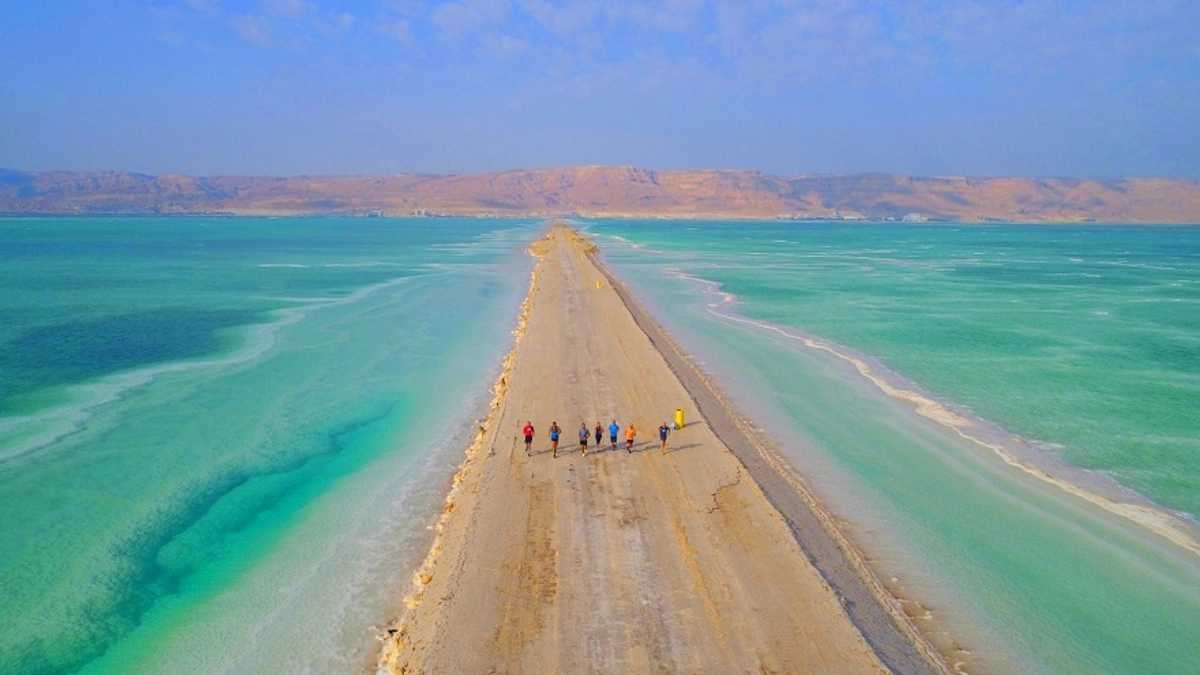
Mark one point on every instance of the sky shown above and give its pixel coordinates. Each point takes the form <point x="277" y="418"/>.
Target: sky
<point x="1067" y="88"/>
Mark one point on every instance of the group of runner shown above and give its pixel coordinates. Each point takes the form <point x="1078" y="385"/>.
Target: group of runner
<point x="614" y="431"/>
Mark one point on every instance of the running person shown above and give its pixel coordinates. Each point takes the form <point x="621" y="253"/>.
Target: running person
<point x="599" y="433"/>
<point x="528" y="436"/>
<point x="584" y="434"/>
<point x="662" y="438"/>
<point x="629" y="434"/>
<point x="554" y="432"/>
<point x="613" y="430"/>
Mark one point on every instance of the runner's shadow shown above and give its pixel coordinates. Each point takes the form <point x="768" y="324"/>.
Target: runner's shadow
<point x="647" y="446"/>
<point x="677" y="448"/>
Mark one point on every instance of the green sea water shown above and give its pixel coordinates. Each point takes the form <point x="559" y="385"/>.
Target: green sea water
<point x="222" y="440"/>
<point x="1076" y="351"/>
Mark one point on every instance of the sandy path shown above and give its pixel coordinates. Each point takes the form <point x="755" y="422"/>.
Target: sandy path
<point x="616" y="562"/>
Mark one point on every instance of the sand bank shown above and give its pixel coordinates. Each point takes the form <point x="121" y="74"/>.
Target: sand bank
<point x="709" y="558"/>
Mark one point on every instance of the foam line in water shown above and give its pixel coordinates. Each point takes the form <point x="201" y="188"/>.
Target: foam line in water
<point x="1147" y="515"/>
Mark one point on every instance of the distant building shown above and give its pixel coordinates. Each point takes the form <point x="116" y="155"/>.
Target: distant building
<point x="913" y="218"/>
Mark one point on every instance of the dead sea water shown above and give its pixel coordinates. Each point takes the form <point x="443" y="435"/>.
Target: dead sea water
<point x="1074" y="352"/>
<point x="222" y="440"/>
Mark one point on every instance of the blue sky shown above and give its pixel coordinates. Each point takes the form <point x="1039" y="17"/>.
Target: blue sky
<point x="1098" y="88"/>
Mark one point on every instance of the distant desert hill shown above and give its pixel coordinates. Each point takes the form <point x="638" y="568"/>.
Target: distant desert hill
<point x="608" y="191"/>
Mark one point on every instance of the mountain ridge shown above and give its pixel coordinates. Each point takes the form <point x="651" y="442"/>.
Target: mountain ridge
<point x="612" y="192"/>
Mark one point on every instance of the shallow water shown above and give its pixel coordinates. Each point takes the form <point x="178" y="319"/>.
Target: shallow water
<point x="222" y="440"/>
<point x="1081" y="341"/>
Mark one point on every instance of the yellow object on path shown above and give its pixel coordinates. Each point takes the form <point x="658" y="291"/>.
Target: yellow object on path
<point x="679" y="418"/>
<point x="598" y="283"/>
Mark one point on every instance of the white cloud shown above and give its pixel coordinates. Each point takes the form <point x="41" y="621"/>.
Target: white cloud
<point x="672" y="16"/>
<point x="407" y="8"/>
<point x="562" y="21"/>
<point x="505" y="46"/>
<point x="891" y="45"/>
<point x="252" y="29"/>
<point x="492" y="10"/>
<point x="334" y="25"/>
<point x="206" y="6"/>
<point x="398" y="30"/>
<point x="879" y="42"/>
<point x="454" y="19"/>
<point x="293" y="9"/>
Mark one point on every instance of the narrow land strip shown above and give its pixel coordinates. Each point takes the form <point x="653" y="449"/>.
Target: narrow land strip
<point x="869" y="605"/>
<point x="617" y="562"/>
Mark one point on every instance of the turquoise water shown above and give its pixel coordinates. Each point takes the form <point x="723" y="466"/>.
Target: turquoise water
<point x="222" y="440"/>
<point x="1075" y="348"/>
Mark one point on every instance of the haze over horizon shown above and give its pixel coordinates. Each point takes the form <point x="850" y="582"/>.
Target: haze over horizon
<point x="285" y="87"/>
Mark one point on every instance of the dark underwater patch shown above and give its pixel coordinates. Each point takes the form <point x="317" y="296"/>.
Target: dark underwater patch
<point x="79" y="351"/>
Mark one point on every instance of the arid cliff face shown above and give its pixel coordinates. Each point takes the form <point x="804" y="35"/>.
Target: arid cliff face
<point x="607" y="191"/>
